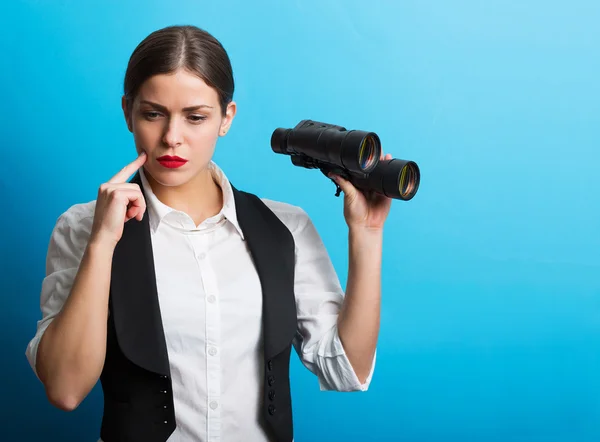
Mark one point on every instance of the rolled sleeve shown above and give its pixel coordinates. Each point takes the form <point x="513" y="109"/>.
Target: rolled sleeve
<point x="65" y="250"/>
<point x="319" y="298"/>
<point x="334" y="367"/>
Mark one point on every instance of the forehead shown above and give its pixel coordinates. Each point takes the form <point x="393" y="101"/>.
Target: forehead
<point x="180" y="87"/>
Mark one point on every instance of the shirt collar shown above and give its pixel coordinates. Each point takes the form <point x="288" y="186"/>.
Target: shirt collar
<point x="157" y="210"/>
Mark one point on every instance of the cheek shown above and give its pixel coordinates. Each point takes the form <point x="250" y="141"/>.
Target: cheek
<point x="204" y="135"/>
<point x="147" y="135"/>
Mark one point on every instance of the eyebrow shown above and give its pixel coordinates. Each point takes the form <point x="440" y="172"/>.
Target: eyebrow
<point x="185" y="109"/>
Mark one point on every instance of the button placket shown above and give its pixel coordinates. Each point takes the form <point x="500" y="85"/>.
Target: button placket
<point x="213" y="335"/>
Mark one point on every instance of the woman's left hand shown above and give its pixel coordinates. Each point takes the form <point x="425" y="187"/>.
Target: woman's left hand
<point x="364" y="210"/>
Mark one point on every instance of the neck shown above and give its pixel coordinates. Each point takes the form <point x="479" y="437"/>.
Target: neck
<point x="201" y="197"/>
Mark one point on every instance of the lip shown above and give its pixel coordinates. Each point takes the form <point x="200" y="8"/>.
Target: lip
<point x="171" y="162"/>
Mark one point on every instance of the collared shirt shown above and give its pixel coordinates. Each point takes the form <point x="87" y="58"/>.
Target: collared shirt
<point x="211" y="303"/>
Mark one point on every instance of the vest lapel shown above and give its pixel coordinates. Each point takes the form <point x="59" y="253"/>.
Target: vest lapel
<point x="272" y="248"/>
<point x="134" y="298"/>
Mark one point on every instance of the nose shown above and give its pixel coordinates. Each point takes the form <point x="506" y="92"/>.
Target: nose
<point x="173" y="135"/>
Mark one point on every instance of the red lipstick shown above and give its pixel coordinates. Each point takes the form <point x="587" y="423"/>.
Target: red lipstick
<point x="171" y="162"/>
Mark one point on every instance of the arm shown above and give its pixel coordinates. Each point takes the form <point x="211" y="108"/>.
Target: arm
<point x="319" y="302"/>
<point x="71" y="351"/>
<point x="359" y="317"/>
<point x="69" y="348"/>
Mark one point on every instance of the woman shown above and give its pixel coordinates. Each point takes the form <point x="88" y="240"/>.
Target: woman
<point x="184" y="295"/>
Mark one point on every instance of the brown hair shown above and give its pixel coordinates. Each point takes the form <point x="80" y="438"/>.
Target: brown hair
<point x="175" y="47"/>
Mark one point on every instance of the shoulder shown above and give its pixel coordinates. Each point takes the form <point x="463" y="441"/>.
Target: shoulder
<point x="73" y="226"/>
<point x="79" y="212"/>
<point x="294" y="217"/>
<point x="78" y="215"/>
<point x="70" y="237"/>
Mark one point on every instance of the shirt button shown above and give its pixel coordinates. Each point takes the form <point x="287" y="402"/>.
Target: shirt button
<point x="212" y="351"/>
<point x="201" y="256"/>
<point x="212" y="299"/>
<point x="214" y="405"/>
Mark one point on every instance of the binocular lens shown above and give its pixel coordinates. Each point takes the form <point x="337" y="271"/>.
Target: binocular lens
<point x="409" y="180"/>
<point x="355" y="154"/>
<point x="368" y="153"/>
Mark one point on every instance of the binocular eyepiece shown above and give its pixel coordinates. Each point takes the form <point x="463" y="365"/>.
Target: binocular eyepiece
<point x="353" y="154"/>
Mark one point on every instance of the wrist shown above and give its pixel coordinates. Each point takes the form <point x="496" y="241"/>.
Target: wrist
<point x="366" y="232"/>
<point x="365" y="243"/>
<point x="101" y="247"/>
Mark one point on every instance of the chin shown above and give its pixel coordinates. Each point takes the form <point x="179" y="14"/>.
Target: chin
<point x="169" y="177"/>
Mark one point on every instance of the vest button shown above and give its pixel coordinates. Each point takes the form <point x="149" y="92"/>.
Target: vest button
<point x="271" y="380"/>
<point x="271" y="394"/>
<point x="272" y="409"/>
<point x="270" y="365"/>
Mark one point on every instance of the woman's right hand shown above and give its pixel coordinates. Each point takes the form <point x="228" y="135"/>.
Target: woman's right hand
<point x="118" y="201"/>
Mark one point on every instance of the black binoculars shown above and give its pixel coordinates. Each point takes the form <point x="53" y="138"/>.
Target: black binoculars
<point x="352" y="154"/>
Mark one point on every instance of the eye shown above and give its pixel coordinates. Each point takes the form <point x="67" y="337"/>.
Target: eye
<point x="151" y="115"/>
<point x="197" y="118"/>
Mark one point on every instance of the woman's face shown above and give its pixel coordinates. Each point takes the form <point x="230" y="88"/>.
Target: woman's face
<point x="176" y="119"/>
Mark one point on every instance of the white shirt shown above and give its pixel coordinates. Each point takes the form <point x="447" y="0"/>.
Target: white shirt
<point x="211" y="302"/>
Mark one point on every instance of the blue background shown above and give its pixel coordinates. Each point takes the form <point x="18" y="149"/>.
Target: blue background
<point x="491" y="276"/>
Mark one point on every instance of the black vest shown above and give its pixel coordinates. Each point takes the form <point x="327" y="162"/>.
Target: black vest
<point x="138" y="400"/>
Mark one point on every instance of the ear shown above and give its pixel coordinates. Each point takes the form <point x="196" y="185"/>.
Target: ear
<point x="228" y="118"/>
<point x="126" y="113"/>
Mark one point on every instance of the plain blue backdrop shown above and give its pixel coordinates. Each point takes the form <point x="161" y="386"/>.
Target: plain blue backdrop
<point x="491" y="275"/>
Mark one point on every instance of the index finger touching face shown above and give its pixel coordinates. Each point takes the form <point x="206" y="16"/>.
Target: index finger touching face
<point x="129" y="170"/>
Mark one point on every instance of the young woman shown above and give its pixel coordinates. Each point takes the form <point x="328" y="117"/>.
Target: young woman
<point x="184" y="295"/>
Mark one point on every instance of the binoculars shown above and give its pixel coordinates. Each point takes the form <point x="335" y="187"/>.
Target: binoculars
<point x="352" y="154"/>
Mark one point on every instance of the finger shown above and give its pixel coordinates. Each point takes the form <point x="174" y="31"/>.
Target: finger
<point x="112" y="187"/>
<point x="134" y="212"/>
<point x="136" y="205"/>
<point x="345" y="185"/>
<point x="129" y="197"/>
<point x="388" y="156"/>
<point x="127" y="171"/>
